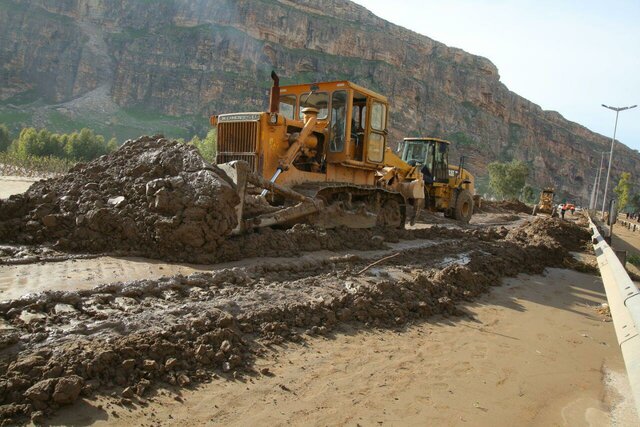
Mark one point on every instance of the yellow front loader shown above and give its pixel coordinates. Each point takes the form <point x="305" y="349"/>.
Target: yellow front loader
<point x="449" y="188"/>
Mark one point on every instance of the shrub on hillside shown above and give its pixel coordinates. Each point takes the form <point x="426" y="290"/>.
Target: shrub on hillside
<point x="81" y="146"/>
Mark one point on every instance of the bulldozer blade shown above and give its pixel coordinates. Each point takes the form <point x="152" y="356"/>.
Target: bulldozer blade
<point x="238" y="171"/>
<point x="283" y="216"/>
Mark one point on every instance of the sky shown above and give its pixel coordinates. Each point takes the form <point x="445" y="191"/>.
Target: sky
<point x="569" y="56"/>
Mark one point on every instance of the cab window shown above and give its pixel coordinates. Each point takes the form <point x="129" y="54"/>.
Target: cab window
<point x="318" y="100"/>
<point x="358" y="125"/>
<point x="376" y="147"/>
<point x="416" y="151"/>
<point x="441" y="163"/>
<point x="359" y="114"/>
<point x="288" y="106"/>
<point x="377" y="137"/>
<point x="378" y="116"/>
<point x="338" y="121"/>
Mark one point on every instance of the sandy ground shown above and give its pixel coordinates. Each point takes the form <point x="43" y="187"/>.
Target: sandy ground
<point x="14" y="185"/>
<point x="533" y="352"/>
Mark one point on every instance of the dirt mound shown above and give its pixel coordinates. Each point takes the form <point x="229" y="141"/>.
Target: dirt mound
<point x="514" y="205"/>
<point x="152" y="196"/>
<point x="551" y="232"/>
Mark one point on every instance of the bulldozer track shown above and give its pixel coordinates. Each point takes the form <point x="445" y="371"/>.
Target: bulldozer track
<point x="330" y="192"/>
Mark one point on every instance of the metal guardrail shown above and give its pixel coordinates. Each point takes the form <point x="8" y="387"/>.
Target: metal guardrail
<point x="624" y="303"/>
<point x="631" y="225"/>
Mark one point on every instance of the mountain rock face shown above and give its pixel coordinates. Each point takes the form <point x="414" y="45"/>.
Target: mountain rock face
<point x="198" y="57"/>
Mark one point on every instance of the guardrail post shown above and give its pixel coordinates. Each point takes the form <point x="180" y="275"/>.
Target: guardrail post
<point x="622" y="256"/>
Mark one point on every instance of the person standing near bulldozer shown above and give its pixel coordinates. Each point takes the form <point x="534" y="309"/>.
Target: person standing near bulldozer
<point x="563" y="209"/>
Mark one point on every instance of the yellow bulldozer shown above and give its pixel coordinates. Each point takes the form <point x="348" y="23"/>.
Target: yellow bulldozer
<point x="320" y="155"/>
<point x="545" y="205"/>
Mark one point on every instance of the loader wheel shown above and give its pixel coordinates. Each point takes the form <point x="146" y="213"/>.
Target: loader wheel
<point x="390" y="214"/>
<point x="464" y="207"/>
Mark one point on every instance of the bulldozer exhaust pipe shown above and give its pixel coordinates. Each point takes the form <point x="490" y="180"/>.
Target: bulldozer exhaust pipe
<point x="274" y="96"/>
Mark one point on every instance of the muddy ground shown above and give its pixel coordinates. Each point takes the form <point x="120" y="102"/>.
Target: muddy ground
<point x="92" y="322"/>
<point x="563" y="367"/>
<point x="123" y="339"/>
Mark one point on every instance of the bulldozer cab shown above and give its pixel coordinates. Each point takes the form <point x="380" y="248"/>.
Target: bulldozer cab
<point x="321" y="132"/>
<point x="431" y="154"/>
<point x="354" y="118"/>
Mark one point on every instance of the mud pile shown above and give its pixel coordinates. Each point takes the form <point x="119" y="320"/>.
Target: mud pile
<point x="152" y="196"/>
<point x="504" y="206"/>
<point x="551" y="233"/>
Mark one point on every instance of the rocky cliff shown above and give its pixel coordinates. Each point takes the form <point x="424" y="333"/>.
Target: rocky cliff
<point x="167" y="64"/>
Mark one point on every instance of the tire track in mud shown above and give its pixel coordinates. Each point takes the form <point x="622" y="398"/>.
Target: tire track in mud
<point x="60" y="271"/>
<point x="180" y="330"/>
<point x="86" y="273"/>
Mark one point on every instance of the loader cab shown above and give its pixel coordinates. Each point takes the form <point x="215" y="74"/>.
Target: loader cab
<point x="431" y="153"/>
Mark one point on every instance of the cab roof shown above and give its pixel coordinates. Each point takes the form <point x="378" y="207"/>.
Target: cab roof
<point x="427" y="138"/>
<point x="328" y="86"/>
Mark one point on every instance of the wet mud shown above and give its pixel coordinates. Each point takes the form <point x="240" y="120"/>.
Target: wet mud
<point x="124" y="339"/>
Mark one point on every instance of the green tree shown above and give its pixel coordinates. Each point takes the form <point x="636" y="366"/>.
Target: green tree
<point x="112" y="145"/>
<point x="507" y="180"/>
<point x="623" y="189"/>
<point x="528" y="194"/>
<point x="5" y="138"/>
<point x="53" y="144"/>
<point x="28" y="143"/>
<point x="43" y="143"/>
<point x="206" y="146"/>
<point x="86" y="145"/>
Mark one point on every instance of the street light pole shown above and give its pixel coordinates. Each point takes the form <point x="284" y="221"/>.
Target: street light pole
<point x="597" y="185"/>
<point x="613" y="140"/>
<point x="593" y="193"/>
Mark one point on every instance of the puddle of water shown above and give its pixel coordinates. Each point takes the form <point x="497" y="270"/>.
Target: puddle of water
<point x="4" y="326"/>
<point x="28" y="317"/>
<point x="618" y="393"/>
<point x="462" y="259"/>
<point x="586" y="411"/>
<point x="64" y="308"/>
